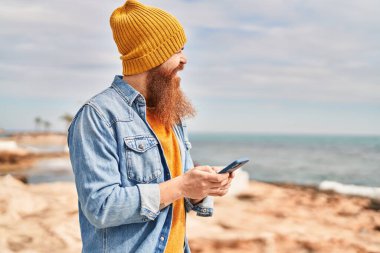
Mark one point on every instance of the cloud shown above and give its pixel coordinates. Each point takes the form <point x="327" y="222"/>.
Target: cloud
<point x="320" y="51"/>
<point x="50" y="49"/>
<point x="294" y="53"/>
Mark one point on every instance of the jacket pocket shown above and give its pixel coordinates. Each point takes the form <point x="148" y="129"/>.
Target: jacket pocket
<point x="143" y="158"/>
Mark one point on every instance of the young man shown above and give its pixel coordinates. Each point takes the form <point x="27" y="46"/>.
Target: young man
<point x="129" y="147"/>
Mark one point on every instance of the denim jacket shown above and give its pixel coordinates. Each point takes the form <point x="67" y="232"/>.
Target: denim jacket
<point x="118" y="164"/>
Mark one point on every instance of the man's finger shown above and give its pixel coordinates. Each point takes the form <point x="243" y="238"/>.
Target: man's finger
<point x="206" y="169"/>
<point x="225" y="182"/>
<point x="226" y="187"/>
<point x="213" y="185"/>
<point x="217" y="178"/>
<point x="217" y="169"/>
<point x="218" y="192"/>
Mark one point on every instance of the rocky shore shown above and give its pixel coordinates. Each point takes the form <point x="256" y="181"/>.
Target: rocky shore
<point x="20" y="151"/>
<point x="264" y="218"/>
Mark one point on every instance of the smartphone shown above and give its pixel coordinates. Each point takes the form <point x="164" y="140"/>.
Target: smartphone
<point x="234" y="165"/>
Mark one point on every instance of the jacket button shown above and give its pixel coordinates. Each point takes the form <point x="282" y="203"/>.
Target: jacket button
<point x="141" y="100"/>
<point x="141" y="146"/>
<point x="162" y="238"/>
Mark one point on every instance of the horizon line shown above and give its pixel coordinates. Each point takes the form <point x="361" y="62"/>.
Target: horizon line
<point x="197" y="132"/>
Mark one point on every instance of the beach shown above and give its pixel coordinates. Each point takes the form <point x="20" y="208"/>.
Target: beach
<point x="39" y="211"/>
<point x="263" y="218"/>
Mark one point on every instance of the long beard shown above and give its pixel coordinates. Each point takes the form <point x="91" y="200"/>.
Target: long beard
<point x="166" y="101"/>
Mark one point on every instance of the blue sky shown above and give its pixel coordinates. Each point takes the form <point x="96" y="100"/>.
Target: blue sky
<point x="253" y="66"/>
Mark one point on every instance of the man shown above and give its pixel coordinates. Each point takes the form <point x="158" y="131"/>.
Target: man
<point x="129" y="147"/>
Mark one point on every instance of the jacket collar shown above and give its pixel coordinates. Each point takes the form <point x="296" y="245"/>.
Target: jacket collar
<point x="125" y="90"/>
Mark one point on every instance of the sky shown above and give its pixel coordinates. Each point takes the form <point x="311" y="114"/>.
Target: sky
<point x="274" y="66"/>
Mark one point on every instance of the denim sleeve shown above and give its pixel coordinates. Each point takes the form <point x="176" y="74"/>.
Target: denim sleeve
<point x="204" y="208"/>
<point x="94" y="158"/>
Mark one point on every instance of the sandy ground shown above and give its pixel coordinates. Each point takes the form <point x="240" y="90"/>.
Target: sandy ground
<point x="265" y="218"/>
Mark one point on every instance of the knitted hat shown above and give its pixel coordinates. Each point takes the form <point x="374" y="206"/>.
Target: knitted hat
<point x="145" y="36"/>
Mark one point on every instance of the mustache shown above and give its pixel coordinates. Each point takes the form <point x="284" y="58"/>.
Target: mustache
<point x="180" y="67"/>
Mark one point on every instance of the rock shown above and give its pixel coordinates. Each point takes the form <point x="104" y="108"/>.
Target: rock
<point x="262" y="218"/>
<point x="11" y="147"/>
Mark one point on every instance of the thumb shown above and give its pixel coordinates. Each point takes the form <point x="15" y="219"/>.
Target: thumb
<point x="217" y="169"/>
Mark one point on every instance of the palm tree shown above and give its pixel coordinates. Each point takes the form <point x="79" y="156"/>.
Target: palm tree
<point x="67" y="118"/>
<point x="38" y="122"/>
<point x="47" y="125"/>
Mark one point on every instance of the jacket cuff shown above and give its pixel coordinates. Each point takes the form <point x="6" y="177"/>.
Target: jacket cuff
<point x="203" y="208"/>
<point x="149" y="200"/>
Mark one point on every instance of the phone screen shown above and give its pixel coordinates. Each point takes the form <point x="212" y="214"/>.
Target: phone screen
<point x="234" y="165"/>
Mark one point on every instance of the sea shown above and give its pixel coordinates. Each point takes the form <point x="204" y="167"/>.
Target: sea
<point x="296" y="159"/>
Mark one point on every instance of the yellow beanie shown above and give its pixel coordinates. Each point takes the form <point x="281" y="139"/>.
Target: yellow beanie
<point x="145" y="36"/>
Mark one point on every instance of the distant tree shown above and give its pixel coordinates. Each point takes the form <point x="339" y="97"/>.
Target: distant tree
<point x="47" y="126"/>
<point x="38" y="122"/>
<point x="67" y="118"/>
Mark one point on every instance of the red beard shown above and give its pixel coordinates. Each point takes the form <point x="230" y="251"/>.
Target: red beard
<point x="165" y="99"/>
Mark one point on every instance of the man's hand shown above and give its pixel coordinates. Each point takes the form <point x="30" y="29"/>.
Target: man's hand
<point x="196" y="184"/>
<point x="229" y="180"/>
<point x="203" y="181"/>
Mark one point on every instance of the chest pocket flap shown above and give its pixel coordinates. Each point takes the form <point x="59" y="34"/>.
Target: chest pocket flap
<point x="140" y="143"/>
<point x="143" y="158"/>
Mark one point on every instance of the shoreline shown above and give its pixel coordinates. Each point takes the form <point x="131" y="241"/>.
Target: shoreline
<point x="18" y="164"/>
<point x="20" y="151"/>
<point x="11" y="162"/>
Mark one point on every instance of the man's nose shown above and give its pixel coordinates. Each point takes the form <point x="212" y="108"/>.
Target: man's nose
<point x="183" y="58"/>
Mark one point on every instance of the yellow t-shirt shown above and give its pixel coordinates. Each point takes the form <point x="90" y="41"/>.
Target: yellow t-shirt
<point x="172" y="154"/>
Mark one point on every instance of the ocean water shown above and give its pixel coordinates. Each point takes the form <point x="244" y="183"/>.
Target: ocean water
<point x="50" y="170"/>
<point x="300" y="159"/>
